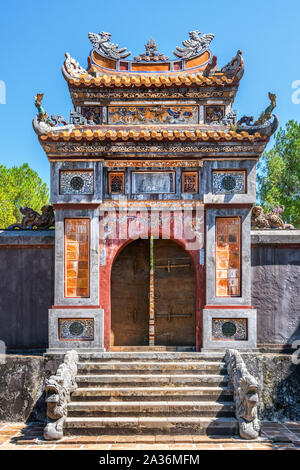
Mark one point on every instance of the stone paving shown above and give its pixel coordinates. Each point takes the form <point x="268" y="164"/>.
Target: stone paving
<point x="275" y="436"/>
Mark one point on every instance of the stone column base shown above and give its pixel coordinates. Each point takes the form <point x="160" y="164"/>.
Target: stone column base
<point x="76" y="328"/>
<point x="225" y="328"/>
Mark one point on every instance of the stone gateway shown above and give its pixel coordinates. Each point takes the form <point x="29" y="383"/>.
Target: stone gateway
<point x="153" y="181"/>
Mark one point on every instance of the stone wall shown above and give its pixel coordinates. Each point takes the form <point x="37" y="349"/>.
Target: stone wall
<point x="279" y="379"/>
<point x="275" y="259"/>
<point x="22" y="380"/>
<point x="27" y="285"/>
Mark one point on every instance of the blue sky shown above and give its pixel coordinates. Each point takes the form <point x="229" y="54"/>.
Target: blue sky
<point x="34" y="37"/>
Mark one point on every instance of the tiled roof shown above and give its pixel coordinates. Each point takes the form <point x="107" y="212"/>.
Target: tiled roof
<point x="146" y="134"/>
<point x="152" y="80"/>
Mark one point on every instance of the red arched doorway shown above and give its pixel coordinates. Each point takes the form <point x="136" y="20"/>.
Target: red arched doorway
<point x="174" y="295"/>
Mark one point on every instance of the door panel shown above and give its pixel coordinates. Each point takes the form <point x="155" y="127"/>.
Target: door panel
<point x="130" y="296"/>
<point x="175" y="295"/>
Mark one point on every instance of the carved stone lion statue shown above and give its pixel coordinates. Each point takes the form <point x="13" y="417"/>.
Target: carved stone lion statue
<point x="260" y="220"/>
<point x="32" y="219"/>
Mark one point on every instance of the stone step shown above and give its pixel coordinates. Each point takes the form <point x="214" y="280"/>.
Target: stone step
<point x="192" y="367"/>
<point x="150" y="356"/>
<point x="150" y="425"/>
<point x="152" y="348"/>
<point x="148" y="380"/>
<point x="145" y="408"/>
<point x="153" y="394"/>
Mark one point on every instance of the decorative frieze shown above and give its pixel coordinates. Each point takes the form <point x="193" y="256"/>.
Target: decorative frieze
<point x="153" y="93"/>
<point x="76" y="182"/>
<point x="229" y="329"/>
<point x="90" y="148"/>
<point x="77" y="245"/>
<point x="151" y="163"/>
<point x="228" y="233"/>
<point x="158" y="114"/>
<point x="229" y="182"/>
<point x="76" y="329"/>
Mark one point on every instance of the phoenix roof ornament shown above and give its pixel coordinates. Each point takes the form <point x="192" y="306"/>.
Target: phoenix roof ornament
<point x="102" y="45"/>
<point x="194" y="46"/>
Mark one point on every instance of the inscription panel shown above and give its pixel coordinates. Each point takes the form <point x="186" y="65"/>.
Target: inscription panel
<point x="153" y="182"/>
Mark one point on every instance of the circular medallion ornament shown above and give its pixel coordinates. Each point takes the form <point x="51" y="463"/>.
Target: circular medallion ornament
<point x="228" y="182"/>
<point x="228" y="329"/>
<point x="76" y="183"/>
<point x="76" y="328"/>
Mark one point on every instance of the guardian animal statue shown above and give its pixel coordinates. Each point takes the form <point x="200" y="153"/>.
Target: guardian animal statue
<point x="58" y="389"/>
<point x="246" y="395"/>
<point x="43" y="124"/>
<point x="194" y="46"/>
<point x="234" y="68"/>
<point x="32" y="219"/>
<point x="102" y="45"/>
<point x="267" y="113"/>
<point x="271" y="220"/>
<point x="263" y="125"/>
<point x="42" y="115"/>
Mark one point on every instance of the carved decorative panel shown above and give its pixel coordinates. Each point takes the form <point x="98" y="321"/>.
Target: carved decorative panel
<point x="228" y="264"/>
<point x="77" y="257"/>
<point x="76" y="182"/>
<point x="76" y="329"/>
<point x="190" y="182"/>
<point x="153" y="114"/>
<point x="116" y="182"/>
<point x="229" y="329"/>
<point x="153" y="182"/>
<point x="229" y="182"/>
<point x="214" y="113"/>
<point x="92" y="114"/>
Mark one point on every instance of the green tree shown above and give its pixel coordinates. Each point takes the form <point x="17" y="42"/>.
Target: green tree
<point x="278" y="174"/>
<point x="19" y="187"/>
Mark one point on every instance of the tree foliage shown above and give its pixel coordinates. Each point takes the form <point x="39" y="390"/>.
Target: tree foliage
<point x="19" y="187"/>
<point x="278" y="174"/>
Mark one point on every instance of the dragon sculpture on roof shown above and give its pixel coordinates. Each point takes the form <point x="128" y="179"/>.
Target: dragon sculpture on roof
<point x="194" y="46"/>
<point x="102" y="45"/>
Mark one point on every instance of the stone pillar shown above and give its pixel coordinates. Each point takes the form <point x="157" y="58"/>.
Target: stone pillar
<point x="229" y="320"/>
<point x="76" y="319"/>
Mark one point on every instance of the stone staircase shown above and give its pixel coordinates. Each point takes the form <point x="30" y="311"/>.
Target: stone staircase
<point x="151" y="393"/>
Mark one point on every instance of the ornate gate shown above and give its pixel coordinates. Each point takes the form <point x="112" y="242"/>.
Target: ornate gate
<point x="174" y="296"/>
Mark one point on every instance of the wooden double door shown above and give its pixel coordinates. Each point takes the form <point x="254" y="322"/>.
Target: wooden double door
<point x="174" y="295"/>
